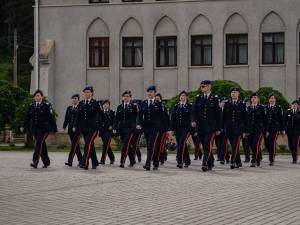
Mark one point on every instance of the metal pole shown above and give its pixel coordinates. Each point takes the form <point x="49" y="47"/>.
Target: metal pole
<point x="37" y="46"/>
<point x="15" y="61"/>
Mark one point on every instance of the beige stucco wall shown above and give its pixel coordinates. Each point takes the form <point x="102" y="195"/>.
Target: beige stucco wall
<point x="70" y="22"/>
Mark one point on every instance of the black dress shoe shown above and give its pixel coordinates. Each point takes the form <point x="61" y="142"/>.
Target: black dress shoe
<point x="186" y="165"/>
<point x="146" y="167"/>
<point x="122" y="165"/>
<point x="247" y="161"/>
<point x="258" y="164"/>
<point x="271" y="164"/>
<point x="179" y="166"/>
<point x="45" y="166"/>
<point x="222" y="162"/>
<point x="204" y="168"/>
<point x="232" y="166"/>
<point x="68" y="164"/>
<point x="209" y="168"/>
<point x="155" y="168"/>
<point x="239" y="165"/>
<point x="252" y="165"/>
<point x="112" y="162"/>
<point x="131" y="165"/>
<point x="294" y="162"/>
<point x="33" y="165"/>
<point x="86" y="167"/>
<point x="196" y="158"/>
<point x="94" y="167"/>
<point x="102" y="163"/>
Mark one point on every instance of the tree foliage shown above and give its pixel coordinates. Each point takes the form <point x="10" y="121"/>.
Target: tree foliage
<point x="222" y="88"/>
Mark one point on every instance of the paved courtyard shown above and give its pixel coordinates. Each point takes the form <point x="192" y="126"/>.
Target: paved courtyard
<point x="111" y="195"/>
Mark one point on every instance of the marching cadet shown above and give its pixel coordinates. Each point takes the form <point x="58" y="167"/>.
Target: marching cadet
<point x="164" y="131"/>
<point x="181" y="126"/>
<point x="255" y="128"/>
<point x="74" y="136"/>
<point x="291" y="123"/>
<point x="126" y="124"/>
<point x="234" y="122"/>
<point x="206" y="116"/>
<point x="197" y="144"/>
<point x="42" y="120"/>
<point x="274" y="123"/>
<point x="88" y="120"/>
<point x="152" y="116"/>
<point x="221" y="140"/>
<point x="107" y="133"/>
<point x="137" y="138"/>
<point x="245" y="139"/>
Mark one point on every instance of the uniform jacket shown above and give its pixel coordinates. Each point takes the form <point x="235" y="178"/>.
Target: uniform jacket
<point x="40" y="118"/>
<point x="207" y="114"/>
<point x="181" y="117"/>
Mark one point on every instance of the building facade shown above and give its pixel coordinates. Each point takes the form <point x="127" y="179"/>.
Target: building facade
<point x="116" y="45"/>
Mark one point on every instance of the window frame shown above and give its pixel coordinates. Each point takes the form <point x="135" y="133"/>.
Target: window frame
<point x="273" y="44"/>
<point x="236" y="38"/>
<point x="202" y="46"/>
<point x="104" y="48"/>
<point x="133" y="48"/>
<point x="98" y="1"/>
<point x="166" y="50"/>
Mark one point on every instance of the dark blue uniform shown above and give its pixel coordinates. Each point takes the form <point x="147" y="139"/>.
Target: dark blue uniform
<point x="234" y="123"/>
<point x="88" y="121"/>
<point x="222" y="144"/>
<point x="74" y="136"/>
<point x="106" y="135"/>
<point x="152" y="118"/>
<point x="207" y="114"/>
<point x="164" y="135"/>
<point x="181" y="125"/>
<point x="274" y="125"/>
<point x="42" y="121"/>
<point x="291" y="124"/>
<point x="255" y="127"/>
<point x="126" y="121"/>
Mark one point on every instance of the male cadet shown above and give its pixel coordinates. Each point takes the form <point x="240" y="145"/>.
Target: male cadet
<point x="42" y="120"/>
<point x="137" y="137"/>
<point x="245" y="139"/>
<point x="255" y="128"/>
<point x="221" y="140"/>
<point x="88" y="121"/>
<point x="291" y="124"/>
<point x="234" y="122"/>
<point x="164" y="131"/>
<point x="206" y="116"/>
<point x="152" y="116"/>
<point x="74" y="136"/>
<point x="107" y="133"/>
<point x="181" y="126"/>
<point x="274" y="123"/>
<point x="126" y="124"/>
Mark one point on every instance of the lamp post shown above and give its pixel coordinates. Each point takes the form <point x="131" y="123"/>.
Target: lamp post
<point x="36" y="45"/>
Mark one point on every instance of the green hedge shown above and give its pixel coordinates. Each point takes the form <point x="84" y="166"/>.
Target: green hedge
<point x="222" y="89"/>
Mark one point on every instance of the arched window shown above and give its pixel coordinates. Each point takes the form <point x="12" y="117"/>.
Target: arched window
<point x="236" y="38"/>
<point x="200" y="33"/>
<point x="165" y="35"/>
<point x="98" y="44"/>
<point x="132" y="44"/>
<point x="272" y="30"/>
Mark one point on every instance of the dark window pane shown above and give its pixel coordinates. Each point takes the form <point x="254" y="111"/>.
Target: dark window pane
<point x="99" y="52"/>
<point x="132" y="51"/>
<point x="273" y="48"/>
<point x="166" y="52"/>
<point x="201" y="50"/>
<point x="236" y="49"/>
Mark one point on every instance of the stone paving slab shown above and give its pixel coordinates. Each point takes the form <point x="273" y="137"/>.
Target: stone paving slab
<point x="111" y="195"/>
